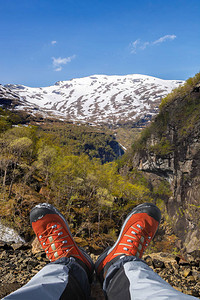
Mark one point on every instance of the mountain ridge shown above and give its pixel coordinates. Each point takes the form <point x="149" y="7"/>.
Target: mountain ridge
<point x="97" y="99"/>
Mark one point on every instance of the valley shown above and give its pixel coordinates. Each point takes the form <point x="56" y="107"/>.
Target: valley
<point x="96" y="173"/>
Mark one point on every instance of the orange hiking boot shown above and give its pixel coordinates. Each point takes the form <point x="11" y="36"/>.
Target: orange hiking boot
<point x="55" y="237"/>
<point x="137" y="231"/>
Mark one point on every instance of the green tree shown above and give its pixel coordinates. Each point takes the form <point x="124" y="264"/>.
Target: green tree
<point x="46" y="157"/>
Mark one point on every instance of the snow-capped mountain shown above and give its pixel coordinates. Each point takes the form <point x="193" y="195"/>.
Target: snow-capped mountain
<point x="97" y="98"/>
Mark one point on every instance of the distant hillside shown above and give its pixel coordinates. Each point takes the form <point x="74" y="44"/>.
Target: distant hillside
<point x="79" y="139"/>
<point x="169" y="149"/>
<point x="97" y="99"/>
<point x="74" y="139"/>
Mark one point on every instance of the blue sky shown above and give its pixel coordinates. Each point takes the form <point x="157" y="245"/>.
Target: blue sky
<point x="46" y="41"/>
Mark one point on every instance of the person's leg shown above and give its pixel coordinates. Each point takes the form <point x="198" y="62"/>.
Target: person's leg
<point x="63" y="279"/>
<point x="129" y="278"/>
<point x="120" y="269"/>
<point x="71" y="269"/>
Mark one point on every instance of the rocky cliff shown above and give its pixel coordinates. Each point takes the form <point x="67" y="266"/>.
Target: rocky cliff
<point x="170" y="148"/>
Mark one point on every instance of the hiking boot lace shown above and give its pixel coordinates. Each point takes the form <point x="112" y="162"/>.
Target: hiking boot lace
<point x="137" y="240"/>
<point x="54" y="235"/>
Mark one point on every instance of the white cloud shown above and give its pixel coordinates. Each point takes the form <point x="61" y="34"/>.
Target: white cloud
<point x="53" y="42"/>
<point x="58" y="69"/>
<point x="164" y="38"/>
<point x="144" y="45"/>
<point x="59" y="62"/>
<point x="134" y="45"/>
<point x="138" y="45"/>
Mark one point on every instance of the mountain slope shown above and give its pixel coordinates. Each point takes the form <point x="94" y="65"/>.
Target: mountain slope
<point x="8" y="98"/>
<point x="170" y="148"/>
<point x="97" y="99"/>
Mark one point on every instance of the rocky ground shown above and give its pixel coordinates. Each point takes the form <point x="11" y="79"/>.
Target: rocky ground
<point x="20" y="262"/>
